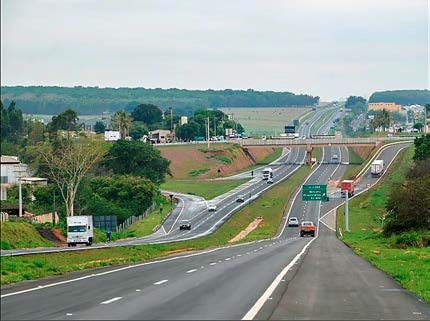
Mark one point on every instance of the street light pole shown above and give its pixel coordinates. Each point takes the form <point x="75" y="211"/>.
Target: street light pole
<point x="346" y="211"/>
<point x="20" y="197"/>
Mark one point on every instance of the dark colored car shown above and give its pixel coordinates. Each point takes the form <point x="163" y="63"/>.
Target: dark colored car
<point x="184" y="225"/>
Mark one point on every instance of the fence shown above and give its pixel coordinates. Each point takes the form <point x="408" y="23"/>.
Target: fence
<point x="132" y="219"/>
<point x="4" y="216"/>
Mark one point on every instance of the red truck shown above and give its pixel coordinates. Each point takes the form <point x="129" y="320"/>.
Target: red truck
<point x="307" y="228"/>
<point x="347" y="185"/>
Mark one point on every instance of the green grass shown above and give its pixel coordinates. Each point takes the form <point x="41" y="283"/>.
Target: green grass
<point x="409" y="265"/>
<point x="270" y="206"/>
<point x="140" y="228"/>
<point x="277" y="152"/>
<point x="205" y="188"/>
<point x="15" y="235"/>
<point x="198" y="172"/>
<point x="317" y="153"/>
<point x="355" y="164"/>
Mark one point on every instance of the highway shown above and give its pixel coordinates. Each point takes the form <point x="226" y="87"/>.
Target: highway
<point x="247" y="280"/>
<point x="195" y="208"/>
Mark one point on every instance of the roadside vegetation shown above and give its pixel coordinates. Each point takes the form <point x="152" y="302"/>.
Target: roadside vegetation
<point x="16" y="235"/>
<point x="389" y="224"/>
<point x="270" y="206"/>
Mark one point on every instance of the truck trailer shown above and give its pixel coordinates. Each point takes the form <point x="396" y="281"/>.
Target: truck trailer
<point x="347" y="186"/>
<point x="267" y="173"/>
<point x="80" y="230"/>
<point x="377" y="168"/>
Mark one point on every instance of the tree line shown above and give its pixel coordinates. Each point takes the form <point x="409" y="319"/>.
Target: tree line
<point x="94" y="100"/>
<point x="401" y="97"/>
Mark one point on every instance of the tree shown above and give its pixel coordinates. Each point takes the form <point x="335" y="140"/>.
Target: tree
<point x="99" y="127"/>
<point x="137" y="130"/>
<point x="4" y="122"/>
<point x="422" y="147"/>
<point x="408" y="206"/>
<point x="138" y="159"/>
<point x="122" y="121"/>
<point x="68" y="164"/>
<point x="147" y="113"/>
<point x="418" y="126"/>
<point x="67" y="120"/>
<point x="36" y="131"/>
<point x="381" y="119"/>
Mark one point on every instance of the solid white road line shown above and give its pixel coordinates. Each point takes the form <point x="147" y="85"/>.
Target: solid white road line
<point x="180" y="213"/>
<point x="160" y="282"/>
<point x="266" y="295"/>
<point x="112" y="300"/>
<point x="191" y="271"/>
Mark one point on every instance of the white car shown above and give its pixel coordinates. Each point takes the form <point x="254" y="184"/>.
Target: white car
<point x="293" y="221"/>
<point x="211" y="207"/>
<point x="270" y="181"/>
<point x="335" y="156"/>
<point x="240" y="199"/>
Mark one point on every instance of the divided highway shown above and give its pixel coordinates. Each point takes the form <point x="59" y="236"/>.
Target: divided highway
<point x="194" y="208"/>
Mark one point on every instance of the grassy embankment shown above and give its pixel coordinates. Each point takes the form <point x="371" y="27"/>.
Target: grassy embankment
<point x="213" y="188"/>
<point x="355" y="164"/>
<point x="203" y="188"/>
<point x="409" y="265"/>
<point x="270" y="206"/>
<point x="16" y="235"/>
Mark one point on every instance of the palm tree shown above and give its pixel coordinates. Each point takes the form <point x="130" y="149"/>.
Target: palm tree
<point x="122" y="121"/>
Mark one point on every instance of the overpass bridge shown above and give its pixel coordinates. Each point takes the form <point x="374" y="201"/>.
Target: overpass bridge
<point x="315" y="142"/>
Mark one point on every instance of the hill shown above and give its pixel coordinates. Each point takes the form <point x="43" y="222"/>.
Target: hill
<point x="402" y="97"/>
<point x="95" y="100"/>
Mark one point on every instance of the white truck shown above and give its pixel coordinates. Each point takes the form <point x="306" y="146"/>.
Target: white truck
<point x="267" y="173"/>
<point x="377" y="168"/>
<point x="80" y="230"/>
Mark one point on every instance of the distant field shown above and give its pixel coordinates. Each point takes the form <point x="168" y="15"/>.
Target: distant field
<point x="87" y="119"/>
<point x="265" y="121"/>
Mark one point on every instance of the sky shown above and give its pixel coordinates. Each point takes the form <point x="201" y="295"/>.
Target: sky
<point x="329" y="48"/>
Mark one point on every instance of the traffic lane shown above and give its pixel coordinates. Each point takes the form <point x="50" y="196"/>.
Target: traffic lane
<point x="243" y="268"/>
<point x="331" y="275"/>
<point x="206" y="293"/>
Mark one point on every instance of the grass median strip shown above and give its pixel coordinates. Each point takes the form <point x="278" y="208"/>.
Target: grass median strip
<point x="408" y="265"/>
<point x="204" y="188"/>
<point x="270" y="206"/>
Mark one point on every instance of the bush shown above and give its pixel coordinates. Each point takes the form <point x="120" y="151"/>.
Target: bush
<point x="411" y="239"/>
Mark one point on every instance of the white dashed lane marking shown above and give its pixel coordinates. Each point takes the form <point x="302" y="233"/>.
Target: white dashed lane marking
<point x="191" y="271"/>
<point x="160" y="282"/>
<point x="112" y="300"/>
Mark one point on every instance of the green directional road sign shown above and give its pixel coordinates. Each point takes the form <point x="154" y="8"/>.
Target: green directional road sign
<point x="314" y="192"/>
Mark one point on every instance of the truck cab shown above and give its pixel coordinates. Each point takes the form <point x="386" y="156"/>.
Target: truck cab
<point x="267" y="173"/>
<point x="80" y="230"/>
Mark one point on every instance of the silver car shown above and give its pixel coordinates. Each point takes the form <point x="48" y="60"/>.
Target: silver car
<point x="293" y="221"/>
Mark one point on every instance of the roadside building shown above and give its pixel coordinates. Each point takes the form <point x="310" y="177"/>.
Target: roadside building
<point x="112" y="135"/>
<point x="392" y="107"/>
<point x="11" y="170"/>
<point x="184" y="120"/>
<point x="161" y="136"/>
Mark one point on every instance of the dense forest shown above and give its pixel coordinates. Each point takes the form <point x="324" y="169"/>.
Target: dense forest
<point x="95" y="100"/>
<point x="402" y="97"/>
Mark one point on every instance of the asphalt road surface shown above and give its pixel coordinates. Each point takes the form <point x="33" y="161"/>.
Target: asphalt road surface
<point x="194" y="208"/>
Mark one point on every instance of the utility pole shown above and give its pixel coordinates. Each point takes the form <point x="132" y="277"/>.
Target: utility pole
<point x="20" y="169"/>
<point x="207" y="133"/>
<point x="346" y="212"/>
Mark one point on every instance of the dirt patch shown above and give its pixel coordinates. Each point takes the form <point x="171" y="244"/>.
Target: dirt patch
<point x="252" y="226"/>
<point x="53" y="235"/>
<point x="197" y="162"/>
<point x="363" y="151"/>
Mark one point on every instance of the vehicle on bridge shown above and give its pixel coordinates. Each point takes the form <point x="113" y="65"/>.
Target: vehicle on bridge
<point x="307" y="228"/>
<point x="184" y="225"/>
<point x="347" y="186"/>
<point x="377" y="168"/>
<point x="293" y="221"/>
<point x="267" y="173"/>
<point x="79" y="230"/>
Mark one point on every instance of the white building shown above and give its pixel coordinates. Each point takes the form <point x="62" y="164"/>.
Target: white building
<point x="184" y="120"/>
<point x="11" y="170"/>
<point x="112" y="135"/>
